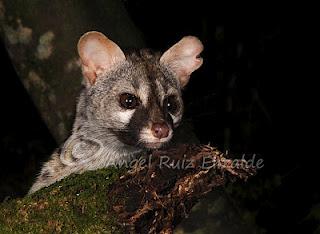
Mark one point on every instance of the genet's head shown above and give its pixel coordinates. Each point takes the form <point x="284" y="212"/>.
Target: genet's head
<point x="137" y="96"/>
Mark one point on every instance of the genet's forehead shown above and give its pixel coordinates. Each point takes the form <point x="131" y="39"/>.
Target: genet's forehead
<point x="150" y="82"/>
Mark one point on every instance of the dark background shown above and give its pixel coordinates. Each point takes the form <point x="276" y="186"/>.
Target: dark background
<point x="248" y="97"/>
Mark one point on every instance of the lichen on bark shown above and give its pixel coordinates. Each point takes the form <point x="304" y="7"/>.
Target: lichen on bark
<point x="42" y="40"/>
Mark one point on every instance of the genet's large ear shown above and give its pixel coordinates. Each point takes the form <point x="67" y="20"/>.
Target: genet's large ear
<point x="98" y="55"/>
<point x="183" y="58"/>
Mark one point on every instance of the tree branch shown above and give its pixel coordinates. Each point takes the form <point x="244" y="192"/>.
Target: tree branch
<point x="152" y="197"/>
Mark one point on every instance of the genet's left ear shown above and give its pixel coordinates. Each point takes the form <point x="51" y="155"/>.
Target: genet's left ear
<point x="183" y="58"/>
<point x="98" y="55"/>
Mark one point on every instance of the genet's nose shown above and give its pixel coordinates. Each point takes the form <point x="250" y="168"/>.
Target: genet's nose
<point x="160" y="130"/>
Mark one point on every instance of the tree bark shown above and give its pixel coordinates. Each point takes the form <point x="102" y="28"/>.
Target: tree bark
<point x="153" y="196"/>
<point x="41" y="37"/>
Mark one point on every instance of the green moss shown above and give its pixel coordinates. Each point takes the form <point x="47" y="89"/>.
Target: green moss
<point x="77" y="204"/>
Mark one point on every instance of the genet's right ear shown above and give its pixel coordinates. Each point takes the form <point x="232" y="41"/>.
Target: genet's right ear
<point x="98" y="55"/>
<point x="183" y="58"/>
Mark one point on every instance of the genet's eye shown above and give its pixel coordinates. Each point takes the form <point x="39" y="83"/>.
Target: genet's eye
<point x="128" y="101"/>
<point x="171" y="104"/>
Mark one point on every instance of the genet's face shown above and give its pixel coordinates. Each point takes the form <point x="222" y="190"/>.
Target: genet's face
<point x="140" y="103"/>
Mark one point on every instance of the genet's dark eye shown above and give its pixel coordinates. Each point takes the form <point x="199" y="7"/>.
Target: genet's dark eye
<point x="129" y="101"/>
<point x="171" y="104"/>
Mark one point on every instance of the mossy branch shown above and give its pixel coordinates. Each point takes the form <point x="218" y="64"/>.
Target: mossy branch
<point x="152" y="197"/>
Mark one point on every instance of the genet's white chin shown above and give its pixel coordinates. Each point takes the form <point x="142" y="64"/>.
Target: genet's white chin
<point x="153" y="145"/>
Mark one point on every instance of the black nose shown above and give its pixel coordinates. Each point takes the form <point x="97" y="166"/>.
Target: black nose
<point x="160" y="130"/>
